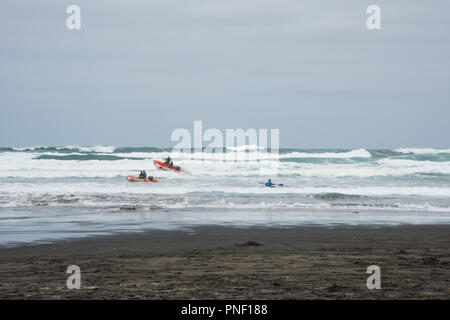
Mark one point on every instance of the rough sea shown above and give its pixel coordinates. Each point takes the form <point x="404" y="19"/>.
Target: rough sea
<point x="52" y="193"/>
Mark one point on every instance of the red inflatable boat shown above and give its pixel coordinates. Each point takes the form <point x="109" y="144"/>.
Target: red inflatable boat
<point x="136" y="179"/>
<point x="161" y="165"/>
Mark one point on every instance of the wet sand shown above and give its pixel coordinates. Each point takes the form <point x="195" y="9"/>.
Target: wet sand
<point x="236" y="263"/>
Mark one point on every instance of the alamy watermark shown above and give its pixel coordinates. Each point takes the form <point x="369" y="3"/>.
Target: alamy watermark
<point x="374" y="280"/>
<point x="74" y="280"/>
<point x="233" y="146"/>
<point x="73" y="21"/>
<point x="374" y="20"/>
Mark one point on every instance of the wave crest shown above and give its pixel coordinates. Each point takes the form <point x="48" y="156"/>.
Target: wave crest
<point x="421" y="150"/>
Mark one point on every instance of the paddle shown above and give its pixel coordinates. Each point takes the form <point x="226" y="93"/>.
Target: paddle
<point x="280" y="185"/>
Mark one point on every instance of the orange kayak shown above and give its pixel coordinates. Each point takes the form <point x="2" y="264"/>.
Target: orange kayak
<point x="161" y="165"/>
<point x="136" y="179"/>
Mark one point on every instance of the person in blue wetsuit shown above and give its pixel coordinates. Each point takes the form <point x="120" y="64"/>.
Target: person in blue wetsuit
<point x="269" y="184"/>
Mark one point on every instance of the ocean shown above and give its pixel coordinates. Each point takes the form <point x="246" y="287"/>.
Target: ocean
<point x="53" y="193"/>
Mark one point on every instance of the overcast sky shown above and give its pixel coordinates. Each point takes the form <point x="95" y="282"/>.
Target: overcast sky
<point x="137" y="70"/>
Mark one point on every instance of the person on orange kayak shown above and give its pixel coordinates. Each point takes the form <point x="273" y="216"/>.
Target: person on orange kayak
<point x="168" y="160"/>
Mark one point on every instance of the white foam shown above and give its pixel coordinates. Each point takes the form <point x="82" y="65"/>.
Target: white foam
<point x="205" y="187"/>
<point x="83" y="192"/>
<point x="16" y="165"/>
<point x="359" y="153"/>
<point x="106" y="149"/>
<point x="189" y="202"/>
<point x="421" y="150"/>
<point x="99" y="148"/>
<point x="246" y="148"/>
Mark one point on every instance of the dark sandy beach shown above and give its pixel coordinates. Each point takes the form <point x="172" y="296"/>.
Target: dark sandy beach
<point x="236" y="263"/>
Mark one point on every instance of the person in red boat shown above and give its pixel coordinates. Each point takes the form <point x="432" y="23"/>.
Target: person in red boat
<point x="143" y="175"/>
